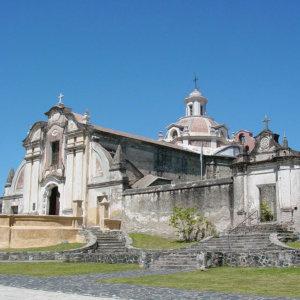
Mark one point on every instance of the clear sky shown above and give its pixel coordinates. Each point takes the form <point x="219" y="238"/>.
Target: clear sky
<point x="131" y="63"/>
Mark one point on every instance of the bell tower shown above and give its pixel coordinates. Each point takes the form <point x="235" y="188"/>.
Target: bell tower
<point x="195" y="102"/>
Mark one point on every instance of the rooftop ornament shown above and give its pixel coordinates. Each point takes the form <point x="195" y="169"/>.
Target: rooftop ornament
<point x="266" y="121"/>
<point x="60" y="97"/>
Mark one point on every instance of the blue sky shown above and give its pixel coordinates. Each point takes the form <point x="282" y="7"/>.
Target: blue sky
<point x="131" y="63"/>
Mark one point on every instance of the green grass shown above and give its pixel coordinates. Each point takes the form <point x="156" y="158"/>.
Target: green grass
<point x="295" y="244"/>
<point x="54" y="248"/>
<point x="257" y="281"/>
<point x="61" y="269"/>
<point x="146" y="241"/>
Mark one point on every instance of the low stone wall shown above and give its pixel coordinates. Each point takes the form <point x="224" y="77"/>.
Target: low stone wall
<point x="148" y="209"/>
<point x="130" y="257"/>
<point x="23" y="231"/>
<point x="284" y="258"/>
<point x="281" y="258"/>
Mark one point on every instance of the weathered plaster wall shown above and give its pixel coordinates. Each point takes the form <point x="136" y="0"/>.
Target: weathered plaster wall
<point x="286" y="179"/>
<point x="148" y="210"/>
<point x="163" y="160"/>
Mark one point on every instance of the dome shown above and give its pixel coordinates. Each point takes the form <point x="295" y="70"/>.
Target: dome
<point x="195" y="93"/>
<point x="197" y="124"/>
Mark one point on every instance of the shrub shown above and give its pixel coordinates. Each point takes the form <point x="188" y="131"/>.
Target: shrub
<point x="190" y="224"/>
<point x="266" y="214"/>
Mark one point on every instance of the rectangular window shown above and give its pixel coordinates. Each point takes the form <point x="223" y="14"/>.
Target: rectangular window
<point x="55" y="153"/>
<point x="14" y="210"/>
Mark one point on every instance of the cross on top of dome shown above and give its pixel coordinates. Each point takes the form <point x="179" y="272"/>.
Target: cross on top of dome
<point x="195" y="82"/>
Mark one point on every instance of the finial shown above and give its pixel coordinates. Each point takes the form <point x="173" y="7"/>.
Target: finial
<point x="285" y="143"/>
<point x="60" y="97"/>
<point x="266" y="121"/>
<point x="10" y="177"/>
<point x="87" y="116"/>
<point x="195" y="81"/>
<point x="160" y="136"/>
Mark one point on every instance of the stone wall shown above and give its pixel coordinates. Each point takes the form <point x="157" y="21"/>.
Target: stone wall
<point x="280" y="258"/>
<point x="148" y="210"/>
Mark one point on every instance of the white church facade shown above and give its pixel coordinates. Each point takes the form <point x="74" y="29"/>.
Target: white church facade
<point x="118" y="180"/>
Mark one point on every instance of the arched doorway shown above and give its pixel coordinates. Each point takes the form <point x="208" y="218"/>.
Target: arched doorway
<point x="54" y="201"/>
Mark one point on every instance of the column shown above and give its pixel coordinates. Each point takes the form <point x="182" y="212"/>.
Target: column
<point x="69" y="181"/>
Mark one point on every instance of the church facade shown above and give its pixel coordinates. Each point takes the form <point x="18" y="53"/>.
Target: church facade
<point x="118" y="180"/>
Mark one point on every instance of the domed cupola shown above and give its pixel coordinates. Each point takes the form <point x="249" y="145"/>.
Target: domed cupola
<point x="195" y="104"/>
<point x="197" y="131"/>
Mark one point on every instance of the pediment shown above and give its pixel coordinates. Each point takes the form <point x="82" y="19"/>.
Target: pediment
<point x="57" y="114"/>
<point x="72" y="126"/>
<point x="266" y="142"/>
<point x="35" y="133"/>
<point x="266" y="146"/>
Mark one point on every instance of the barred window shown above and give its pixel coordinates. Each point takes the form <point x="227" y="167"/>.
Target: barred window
<point x="55" y="153"/>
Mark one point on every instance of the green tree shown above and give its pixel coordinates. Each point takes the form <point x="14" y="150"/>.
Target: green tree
<point x="190" y="224"/>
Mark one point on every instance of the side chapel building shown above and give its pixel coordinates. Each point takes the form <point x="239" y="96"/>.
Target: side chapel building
<point x="74" y="168"/>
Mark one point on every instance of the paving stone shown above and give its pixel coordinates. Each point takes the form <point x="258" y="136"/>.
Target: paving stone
<point x="87" y="285"/>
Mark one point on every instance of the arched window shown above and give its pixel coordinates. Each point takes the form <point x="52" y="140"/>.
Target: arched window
<point x="242" y="139"/>
<point x="174" y="134"/>
<point x="190" y="109"/>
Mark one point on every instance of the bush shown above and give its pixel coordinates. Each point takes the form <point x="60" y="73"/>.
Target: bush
<point x="190" y="224"/>
<point x="266" y="214"/>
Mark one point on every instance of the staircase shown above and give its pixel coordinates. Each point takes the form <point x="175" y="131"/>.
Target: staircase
<point x="250" y="241"/>
<point x="112" y="242"/>
<point x="181" y="260"/>
<point x="239" y="243"/>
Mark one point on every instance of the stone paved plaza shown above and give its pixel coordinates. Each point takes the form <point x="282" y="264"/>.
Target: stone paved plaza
<point x="86" y="287"/>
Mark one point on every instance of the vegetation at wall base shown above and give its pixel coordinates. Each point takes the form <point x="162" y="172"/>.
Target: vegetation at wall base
<point x="191" y="225"/>
<point x="281" y="282"/>
<point x="54" y="248"/>
<point x="295" y="244"/>
<point x="61" y="269"/>
<point x="152" y="242"/>
<point x="266" y="214"/>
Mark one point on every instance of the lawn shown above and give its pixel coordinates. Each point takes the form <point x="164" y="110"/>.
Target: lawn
<point x="54" y="248"/>
<point x="61" y="269"/>
<point x="257" y="281"/>
<point x="146" y="241"/>
<point x="295" y="244"/>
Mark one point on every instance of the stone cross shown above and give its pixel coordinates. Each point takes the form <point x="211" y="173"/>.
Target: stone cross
<point x="266" y="121"/>
<point x="60" y="96"/>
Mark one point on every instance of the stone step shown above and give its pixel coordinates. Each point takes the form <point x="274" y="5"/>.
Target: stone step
<point x="111" y="245"/>
<point x="112" y="248"/>
<point x="167" y="266"/>
<point x="107" y="235"/>
<point x="111" y="242"/>
<point x="109" y="238"/>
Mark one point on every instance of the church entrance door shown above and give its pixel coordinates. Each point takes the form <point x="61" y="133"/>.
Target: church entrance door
<point x="54" y="202"/>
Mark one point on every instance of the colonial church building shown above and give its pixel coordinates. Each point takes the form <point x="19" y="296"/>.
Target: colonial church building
<point x="118" y="180"/>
